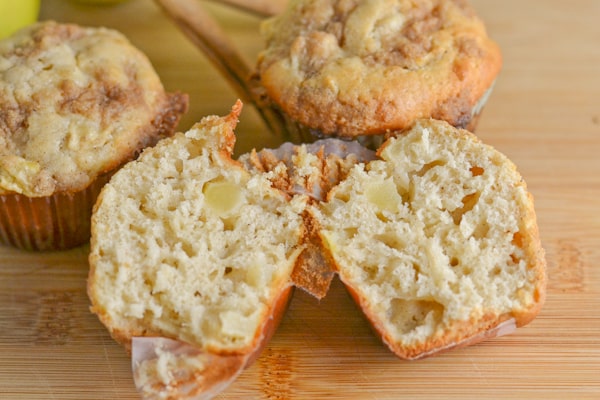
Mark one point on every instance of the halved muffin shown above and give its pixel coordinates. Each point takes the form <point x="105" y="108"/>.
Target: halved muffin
<point x="437" y="241"/>
<point x="194" y="255"/>
<point x="190" y="251"/>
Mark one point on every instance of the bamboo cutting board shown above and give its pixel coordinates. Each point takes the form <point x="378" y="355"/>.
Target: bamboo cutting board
<point x="544" y="114"/>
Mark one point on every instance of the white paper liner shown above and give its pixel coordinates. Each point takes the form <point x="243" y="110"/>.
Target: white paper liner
<point x="338" y="147"/>
<point x="314" y="180"/>
<point x="170" y="369"/>
<point x="478" y="107"/>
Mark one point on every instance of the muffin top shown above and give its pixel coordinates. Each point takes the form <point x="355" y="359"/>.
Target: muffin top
<point x="358" y="67"/>
<point x="75" y="102"/>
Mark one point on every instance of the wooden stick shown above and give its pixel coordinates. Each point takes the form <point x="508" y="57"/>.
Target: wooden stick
<point x="265" y="8"/>
<point x="201" y="28"/>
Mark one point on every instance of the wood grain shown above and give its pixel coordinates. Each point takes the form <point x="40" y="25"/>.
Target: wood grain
<point x="544" y="114"/>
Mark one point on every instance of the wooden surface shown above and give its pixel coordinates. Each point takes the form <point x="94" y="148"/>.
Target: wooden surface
<point x="544" y="114"/>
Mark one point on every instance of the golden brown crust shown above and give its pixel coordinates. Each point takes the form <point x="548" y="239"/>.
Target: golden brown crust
<point x="350" y="68"/>
<point x="76" y="102"/>
<point x="459" y="334"/>
<point x="272" y="319"/>
<point x="536" y="256"/>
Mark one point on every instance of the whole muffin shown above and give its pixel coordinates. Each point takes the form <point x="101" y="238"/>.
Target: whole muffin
<point x="75" y="104"/>
<point x="350" y="68"/>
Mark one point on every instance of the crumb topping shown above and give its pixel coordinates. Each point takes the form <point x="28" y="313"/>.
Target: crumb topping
<point x="352" y="67"/>
<point x="74" y="103"/>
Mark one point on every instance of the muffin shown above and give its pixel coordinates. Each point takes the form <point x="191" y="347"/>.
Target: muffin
<point x="194" y="255"/>
<point x="76" y="103"/>
<point x="191" y="259"/>
<point x="359" y="69"/>
<point x="437" y="241"/>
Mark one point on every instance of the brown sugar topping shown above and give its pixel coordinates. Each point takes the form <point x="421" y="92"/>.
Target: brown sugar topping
<point x="75" y="103"/>
<point x="349" y="67"/>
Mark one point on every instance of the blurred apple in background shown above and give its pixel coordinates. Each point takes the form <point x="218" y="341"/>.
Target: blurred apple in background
<point x="100" y="2"/>
<point x="15" y="14"/>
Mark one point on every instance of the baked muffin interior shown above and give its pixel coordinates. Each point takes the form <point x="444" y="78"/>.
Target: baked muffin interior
<point x="309" y="170"/>
<point x="186" y="244"/>
<point x="438" y="239"/>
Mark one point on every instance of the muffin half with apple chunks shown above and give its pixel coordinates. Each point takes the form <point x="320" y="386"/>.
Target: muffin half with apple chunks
<point x="437" y="241"/>
<point x="191" y="258"/>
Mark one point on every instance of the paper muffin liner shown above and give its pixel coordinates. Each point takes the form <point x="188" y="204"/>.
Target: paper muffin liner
<point x="296" y="132"/>
<point x="477" y="110"/>
<point x="56" y="222"/>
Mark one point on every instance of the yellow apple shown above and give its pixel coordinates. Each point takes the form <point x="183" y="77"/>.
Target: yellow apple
<point x="101" y="2"/>
<point x="15" y="14"/>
